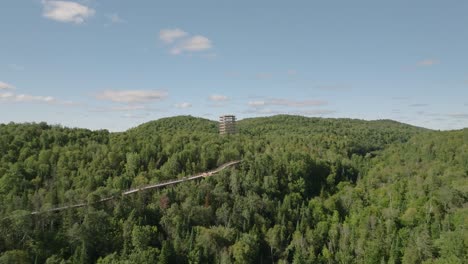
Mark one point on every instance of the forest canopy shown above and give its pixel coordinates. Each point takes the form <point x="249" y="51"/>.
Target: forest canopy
<point x="308" y="190"/>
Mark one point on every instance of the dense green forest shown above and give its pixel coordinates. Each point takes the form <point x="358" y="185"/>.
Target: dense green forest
<point x="308" y="190"/>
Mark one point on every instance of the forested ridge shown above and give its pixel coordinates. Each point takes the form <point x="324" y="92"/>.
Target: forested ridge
<point x="308" y="190"/>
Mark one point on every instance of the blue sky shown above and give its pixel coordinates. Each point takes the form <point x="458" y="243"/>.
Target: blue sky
<point x="115" y="64"/>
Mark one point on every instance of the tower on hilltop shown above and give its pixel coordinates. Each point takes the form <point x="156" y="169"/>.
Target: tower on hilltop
<point x="227" y="124"/>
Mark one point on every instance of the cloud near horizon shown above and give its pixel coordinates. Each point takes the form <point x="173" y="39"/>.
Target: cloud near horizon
<point x="132" y="96"/>
<point x="6" y="86"/>
<point x="66" y="11"/>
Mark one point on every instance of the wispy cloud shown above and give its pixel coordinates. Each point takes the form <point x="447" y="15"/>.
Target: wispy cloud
<point x="218" y="98"/>
<point x="181" y="41"/>
<point x="66" y="11"/>
<point x="196" y="43"/>
<point x="132" y="96"/>
<point x="183" y="105"/>
<point x="27" y="98"/>
<point x="170" y="35"/>
<point x="9" y="95"/>
<point x="6" y="86"/>
<point x="428" y="62"/>
<point x="115" y="18"/>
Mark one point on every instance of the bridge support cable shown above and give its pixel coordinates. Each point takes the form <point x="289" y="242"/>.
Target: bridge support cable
<point x="143" y="188"/>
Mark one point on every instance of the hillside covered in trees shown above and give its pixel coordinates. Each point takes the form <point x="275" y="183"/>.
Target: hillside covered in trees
<point x="308" y="190"/>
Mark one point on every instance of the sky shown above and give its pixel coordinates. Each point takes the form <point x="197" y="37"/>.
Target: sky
<point x="114" y="64"/>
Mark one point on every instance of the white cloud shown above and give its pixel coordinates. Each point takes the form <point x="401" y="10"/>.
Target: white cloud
<point x="132" y="96"/>
<point x="181" y="41"/>
<point x="183" y="105"/>
<point x="170" y="35"/>
<point x="13" y="97"/>
<point x="6" y="86"/>
<point x="218" y="98"/>
<point x="24" y="98"/>
<point x="115" y="18"/>
<point x="34" y="98"/>
<point x="196" y="43"/>
<point x="428" y="62"/>
<point x="8" y="96"/>
<point x="65" y="11"/>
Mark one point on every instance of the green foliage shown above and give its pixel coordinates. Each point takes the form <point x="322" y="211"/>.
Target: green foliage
<point x="15" y="256"/>
<point x="308" y="190"/>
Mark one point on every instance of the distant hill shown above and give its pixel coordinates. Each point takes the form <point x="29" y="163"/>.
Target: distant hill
<point x="177" y="124"/>
<point x="284" y="123"/>
<point x="364" y="136"/>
